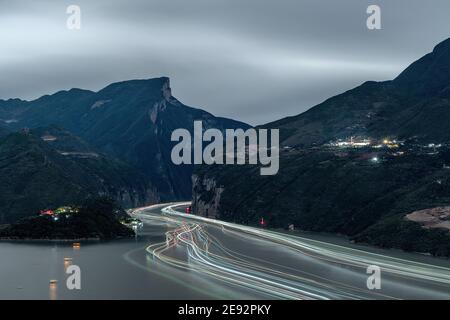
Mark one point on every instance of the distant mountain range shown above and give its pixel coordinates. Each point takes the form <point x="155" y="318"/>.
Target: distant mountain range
<point x="328" y="183"/>
<point x="77" y="142"/>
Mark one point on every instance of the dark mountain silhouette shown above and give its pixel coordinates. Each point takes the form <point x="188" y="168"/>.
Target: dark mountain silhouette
<point x="130" y="120"/>
<point x="416" y="103"/>
<point x="37" y="174"/>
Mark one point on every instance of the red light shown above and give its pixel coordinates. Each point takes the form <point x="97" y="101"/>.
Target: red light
<point x="47" y="212"/>
<point x="262" y="222"/>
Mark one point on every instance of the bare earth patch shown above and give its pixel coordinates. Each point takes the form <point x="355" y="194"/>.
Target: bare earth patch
<point x="438" y="217"/>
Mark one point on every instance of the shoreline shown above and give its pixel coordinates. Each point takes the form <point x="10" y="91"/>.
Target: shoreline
<point x="53" y="240"/>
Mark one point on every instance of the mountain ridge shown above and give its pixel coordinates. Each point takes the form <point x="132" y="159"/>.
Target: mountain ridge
<point x="129" y="120"/>
<point x="375" y="109"/>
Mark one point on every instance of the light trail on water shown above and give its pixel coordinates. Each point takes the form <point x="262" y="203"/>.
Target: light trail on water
<point x="207" y="255"/>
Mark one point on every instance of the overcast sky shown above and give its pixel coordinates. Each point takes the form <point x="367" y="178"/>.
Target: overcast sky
<point x="252" y="60"/>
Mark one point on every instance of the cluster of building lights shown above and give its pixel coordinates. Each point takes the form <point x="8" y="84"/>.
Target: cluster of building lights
<point x="359" y="143"/>
<point x="133" y="223"/>
<point x="56" y="214"/>
<point x="352" y="143"/>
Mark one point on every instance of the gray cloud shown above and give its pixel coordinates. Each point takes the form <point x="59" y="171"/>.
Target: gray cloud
<point x="252" y="60"/>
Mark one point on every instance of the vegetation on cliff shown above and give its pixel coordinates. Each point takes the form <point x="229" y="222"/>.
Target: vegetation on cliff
<point x="95" y="218"/>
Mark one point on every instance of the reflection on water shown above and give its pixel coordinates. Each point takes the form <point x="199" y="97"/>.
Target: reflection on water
<point x="53" y="291"/>
<point x="150" y="260"/>
<point x="67" y="263"/>
<point x="26" y="269"/>
<point x="121" y="269"/>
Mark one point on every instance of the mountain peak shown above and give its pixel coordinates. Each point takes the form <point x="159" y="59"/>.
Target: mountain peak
<point x="444" y="45"/>
<point x="161" y="84"/>
<point x="136" y="82"/>
<point x="429" y="75"/>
